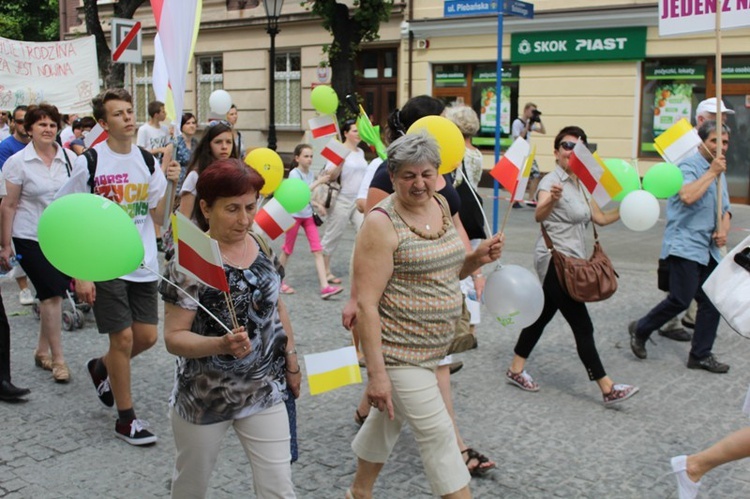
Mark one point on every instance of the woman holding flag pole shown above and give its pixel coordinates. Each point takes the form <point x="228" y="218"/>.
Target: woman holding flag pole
<point x="564" y="210"/>
<point x="227" y="380"/>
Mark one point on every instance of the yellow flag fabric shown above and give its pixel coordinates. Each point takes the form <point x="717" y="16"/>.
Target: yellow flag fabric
<point x="328" y="371"/>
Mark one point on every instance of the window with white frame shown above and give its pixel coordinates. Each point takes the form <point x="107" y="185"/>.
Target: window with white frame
<point x="288" y="90"/>
<point x="210" y="75"/>
<point x="141" y="88"/>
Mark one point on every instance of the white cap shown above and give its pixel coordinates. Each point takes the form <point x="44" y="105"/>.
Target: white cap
<point x="709" y="106"/>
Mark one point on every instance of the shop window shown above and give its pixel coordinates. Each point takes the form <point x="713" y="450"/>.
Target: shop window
<point x="210" y="77"/>
<point x="288" y="90"/>
<point x="476" y="85"/>
<point x="141" y="88"/>
<point x="671" y="91"/>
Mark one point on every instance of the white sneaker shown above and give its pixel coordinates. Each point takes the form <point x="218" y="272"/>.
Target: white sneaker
<point x="25" y="297"/>
<point x="686" y="488"/>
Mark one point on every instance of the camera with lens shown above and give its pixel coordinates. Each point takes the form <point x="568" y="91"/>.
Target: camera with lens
<point x="535" y="116"/>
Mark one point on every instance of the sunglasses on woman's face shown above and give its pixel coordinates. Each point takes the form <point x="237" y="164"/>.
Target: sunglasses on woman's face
<point x="568" y="146"/>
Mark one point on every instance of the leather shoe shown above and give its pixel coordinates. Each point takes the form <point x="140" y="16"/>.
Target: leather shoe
<point x="709" y="363"/>
<point x="676" y="334"/>
<point x="687" y="323"/>
<point x="637" y="345"/>
<point x="10" y="392"/>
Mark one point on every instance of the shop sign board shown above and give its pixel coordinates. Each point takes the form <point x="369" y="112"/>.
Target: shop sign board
<point x="676" y="72"/>
<point x="450" y="75"/>
<point x="679" y="17"/>
<point x="510" y="73"/>
<point x="613" y="44"/>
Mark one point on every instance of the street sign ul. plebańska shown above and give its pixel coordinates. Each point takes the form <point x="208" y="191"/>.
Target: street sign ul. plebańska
<point x="518" y="8"/>
<point x="455" y="8"/>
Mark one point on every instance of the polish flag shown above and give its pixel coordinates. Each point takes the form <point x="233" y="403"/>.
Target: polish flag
<point x="272" y="220"/>
<point x="323" y="126"/>
<point x="511" y="166"/>
<point x="594" y="174"/>
<point x="95" y="136"/>
<point x="335" y="152"/>
<point x="197" y="254"/>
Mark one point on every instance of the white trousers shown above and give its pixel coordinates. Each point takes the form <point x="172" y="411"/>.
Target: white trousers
<point x="344" y="211"/>
<point x="264" y="437"/>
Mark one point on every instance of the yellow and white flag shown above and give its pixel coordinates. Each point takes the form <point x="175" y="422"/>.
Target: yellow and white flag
<point x="327" y="371"/>
<point x="677" y="142"/>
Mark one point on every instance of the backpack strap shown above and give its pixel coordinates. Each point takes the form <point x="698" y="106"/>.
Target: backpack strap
<point x="92" y="156"/>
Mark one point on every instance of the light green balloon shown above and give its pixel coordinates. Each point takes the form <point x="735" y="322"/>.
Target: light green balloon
<point x="663" y="180"/>
<point x="625" y="174"/>
<point x="293" y="194"/>
<point x="324" y="99"/>
<point x="89" y="237"/>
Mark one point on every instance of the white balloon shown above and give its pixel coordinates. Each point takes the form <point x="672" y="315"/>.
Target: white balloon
<point x="639" y="210"/>
<point x="514" y="296"/>
<point x="220" y="102"/>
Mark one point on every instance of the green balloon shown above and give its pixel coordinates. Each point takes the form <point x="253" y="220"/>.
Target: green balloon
<point x="324" y="99"/>
<point x="663" y="180"/>
<point x="625" y="174"/>
<point x="293" y="194"/>
<point x="89" y="237"/>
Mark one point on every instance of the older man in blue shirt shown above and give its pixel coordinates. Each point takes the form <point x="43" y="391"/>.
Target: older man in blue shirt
<point x="691" y="246"/>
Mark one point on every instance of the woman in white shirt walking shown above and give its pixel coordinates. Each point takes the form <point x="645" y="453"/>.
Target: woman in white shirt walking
<point x="349" y="174"/>
<point x="32" y="177"/>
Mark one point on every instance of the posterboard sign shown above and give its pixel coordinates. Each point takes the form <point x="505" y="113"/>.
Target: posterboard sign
<point x="63" y="73"/>
<point x="677" y="17"/>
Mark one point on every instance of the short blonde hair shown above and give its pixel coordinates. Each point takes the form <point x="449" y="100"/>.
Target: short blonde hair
<point x="465" y="118"/>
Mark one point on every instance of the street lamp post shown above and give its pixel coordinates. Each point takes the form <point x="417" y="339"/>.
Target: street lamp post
<point x="273" y="12"/>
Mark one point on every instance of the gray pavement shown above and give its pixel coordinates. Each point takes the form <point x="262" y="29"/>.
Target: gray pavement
<point x="559" y="442"/>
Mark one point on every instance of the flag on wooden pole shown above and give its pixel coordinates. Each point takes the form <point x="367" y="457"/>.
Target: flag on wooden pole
<point x="327" y="371"/>
<point x="335" y="152"/>
<point x="677" y="142"/>
<point x="272" y="220"/>
<point x="323" y="126"/>
<point x="198" y="255"/>
<point x="593" y="174"/>
<point x="511" y="166"/>
<point x="523" y="177"/>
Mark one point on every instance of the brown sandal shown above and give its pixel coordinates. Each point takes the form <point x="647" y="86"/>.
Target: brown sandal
<point x="42" y="360"/>
<point x="479" y="469"/>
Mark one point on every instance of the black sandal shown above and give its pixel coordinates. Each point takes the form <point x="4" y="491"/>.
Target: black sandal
<point x="358" y="418"/>
<point x="477" y="470"/>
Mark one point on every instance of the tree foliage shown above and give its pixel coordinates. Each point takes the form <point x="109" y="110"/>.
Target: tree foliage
<point x="112" y="74"/>
<point x="30" y="20"/>
<point x="350" y="28"/>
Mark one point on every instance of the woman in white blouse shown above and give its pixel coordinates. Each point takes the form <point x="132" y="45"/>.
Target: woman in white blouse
<point x="32" y="177"/>
<point x="349" y="174"/>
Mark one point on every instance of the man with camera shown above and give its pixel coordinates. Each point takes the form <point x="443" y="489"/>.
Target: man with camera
<point x="530" y="121"/>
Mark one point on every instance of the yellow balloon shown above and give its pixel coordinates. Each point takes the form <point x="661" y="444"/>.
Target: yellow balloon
<point x="448" y="137"/>
<point x="270" y="166"/>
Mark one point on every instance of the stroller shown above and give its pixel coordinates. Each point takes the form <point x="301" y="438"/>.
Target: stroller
<point x="73" y="310"/>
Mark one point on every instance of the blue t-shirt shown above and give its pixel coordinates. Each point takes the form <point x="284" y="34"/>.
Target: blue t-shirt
<point x="690" y="227"/>
<point x="8" y="148"/>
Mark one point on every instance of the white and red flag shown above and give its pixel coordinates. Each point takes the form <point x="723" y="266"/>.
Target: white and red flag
<point x="523" y="177"/>
<point x="594" y="174"/>
<point x="510" y="168"/>
<point x="272" y="220"/>
<point x="323" y="126"/>
<point x="95" y="136"/>
<point x="335" y="152"/>
<point x="198" y="255"/>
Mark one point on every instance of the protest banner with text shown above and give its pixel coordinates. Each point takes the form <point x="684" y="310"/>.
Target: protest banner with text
<point x="63" y="73"/>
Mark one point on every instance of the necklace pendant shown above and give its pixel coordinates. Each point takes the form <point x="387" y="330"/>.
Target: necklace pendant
<point x="427" y="226"/>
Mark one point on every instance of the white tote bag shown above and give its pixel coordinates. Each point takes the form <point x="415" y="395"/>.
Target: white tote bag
<point x="728" y="287"/>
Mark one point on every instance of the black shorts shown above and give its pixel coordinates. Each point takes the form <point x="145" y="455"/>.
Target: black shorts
<point x="47" y="280"/>
<point x="120" y="303"/>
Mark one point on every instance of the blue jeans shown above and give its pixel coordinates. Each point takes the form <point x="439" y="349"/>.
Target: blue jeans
<point x="685" y="280"/>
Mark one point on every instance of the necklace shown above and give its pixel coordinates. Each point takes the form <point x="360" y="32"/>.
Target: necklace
<point x="425" y="235"/>
<point x="230" y="262"/>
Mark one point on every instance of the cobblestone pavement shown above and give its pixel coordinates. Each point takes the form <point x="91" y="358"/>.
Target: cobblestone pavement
<point x="559" y="442"/>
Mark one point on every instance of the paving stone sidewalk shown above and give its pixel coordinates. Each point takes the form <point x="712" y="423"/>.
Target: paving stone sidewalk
<point x="559" y="442"/>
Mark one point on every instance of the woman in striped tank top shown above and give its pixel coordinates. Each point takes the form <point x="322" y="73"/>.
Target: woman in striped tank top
<point x="411" y="256"/>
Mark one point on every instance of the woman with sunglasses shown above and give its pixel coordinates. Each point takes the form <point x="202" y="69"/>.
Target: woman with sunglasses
<point x="217" y="143"/>
<point x="565" y="209"/>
